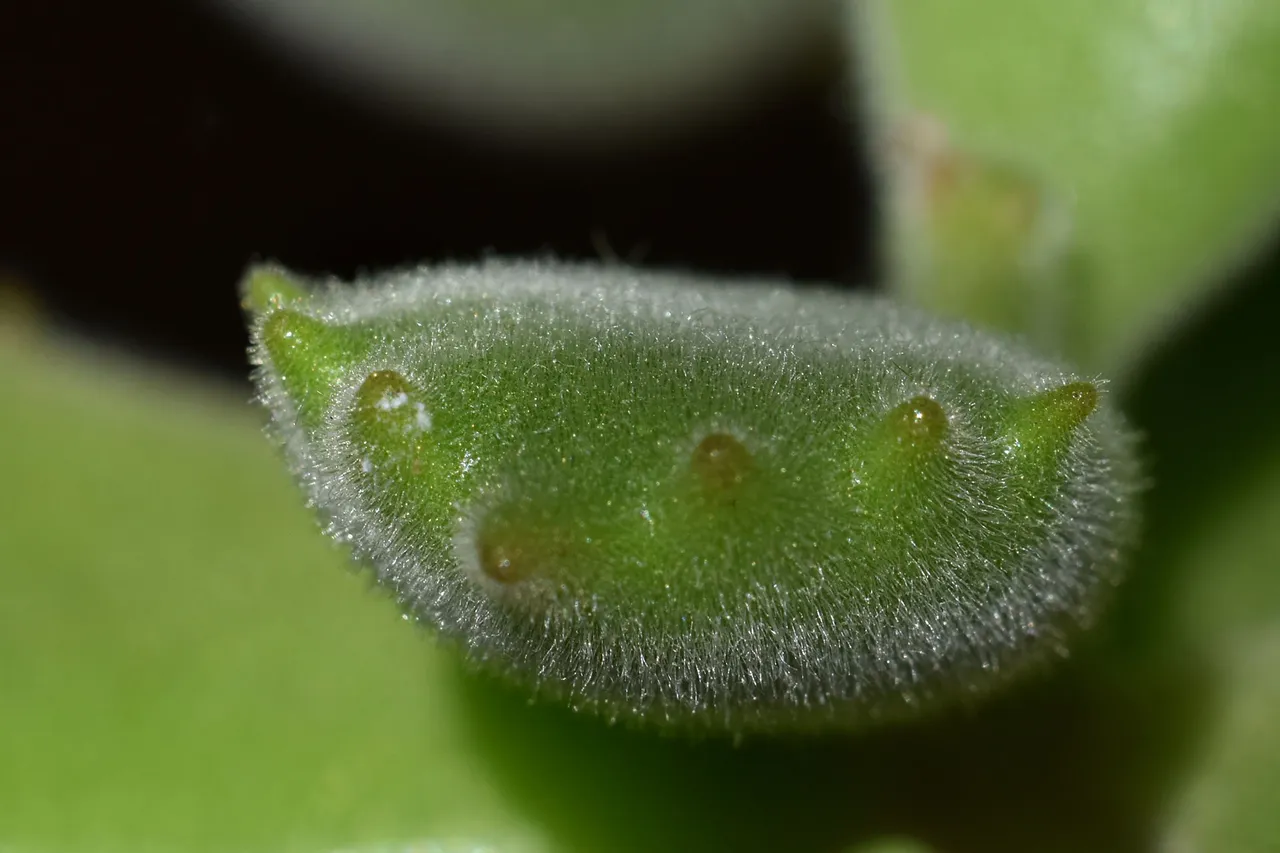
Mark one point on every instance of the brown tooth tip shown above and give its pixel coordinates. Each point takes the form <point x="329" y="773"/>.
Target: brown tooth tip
<point x="721" y="461"/>
<point x="919" y="422"/>
<point x="511" y="554"/>
<point x="503" y="563"/>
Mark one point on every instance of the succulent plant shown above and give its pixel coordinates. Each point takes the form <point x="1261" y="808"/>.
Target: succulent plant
<point x="686" y="502"/>
<point x="187" y="665"/>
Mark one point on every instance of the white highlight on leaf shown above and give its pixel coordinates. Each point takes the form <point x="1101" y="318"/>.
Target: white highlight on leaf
<point x="391" y="402"/>
<point x="422" y="417"/>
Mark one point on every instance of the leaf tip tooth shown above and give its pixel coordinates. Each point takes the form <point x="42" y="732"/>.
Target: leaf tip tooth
<point x="1067" y="406"/>
<point x="1046" y="422"/>
<point x="269" y="287"/>
<point x="286" y="334"/>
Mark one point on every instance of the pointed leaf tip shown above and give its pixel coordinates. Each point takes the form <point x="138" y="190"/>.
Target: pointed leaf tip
<point x="1043" y="425"/>
<point x="1066" y="407"/>
<point x="307" y="356"/>
<point x="269" y="287"/>
<point x="290" y="337"/>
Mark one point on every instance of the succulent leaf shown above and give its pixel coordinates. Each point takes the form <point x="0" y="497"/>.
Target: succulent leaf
<point x="692" y="504"/>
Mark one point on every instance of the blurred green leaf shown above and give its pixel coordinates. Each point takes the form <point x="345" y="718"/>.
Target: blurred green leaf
<point x="1230" y="573"/>
<point x="1152" y="125"/>
<point x="188" y="667"/>
<point x="185" y="664"/>
<point x="1210" y="561"/>
<point x="1232" y="805"/>
<point x="1227" y="603"/>
<point x="1207" y="585"/>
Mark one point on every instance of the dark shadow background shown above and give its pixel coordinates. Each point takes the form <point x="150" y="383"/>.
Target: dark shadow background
<point x="151" y="150"/>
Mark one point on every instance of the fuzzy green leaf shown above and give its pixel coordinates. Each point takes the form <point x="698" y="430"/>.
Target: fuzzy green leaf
<point x="687" y="503"/>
